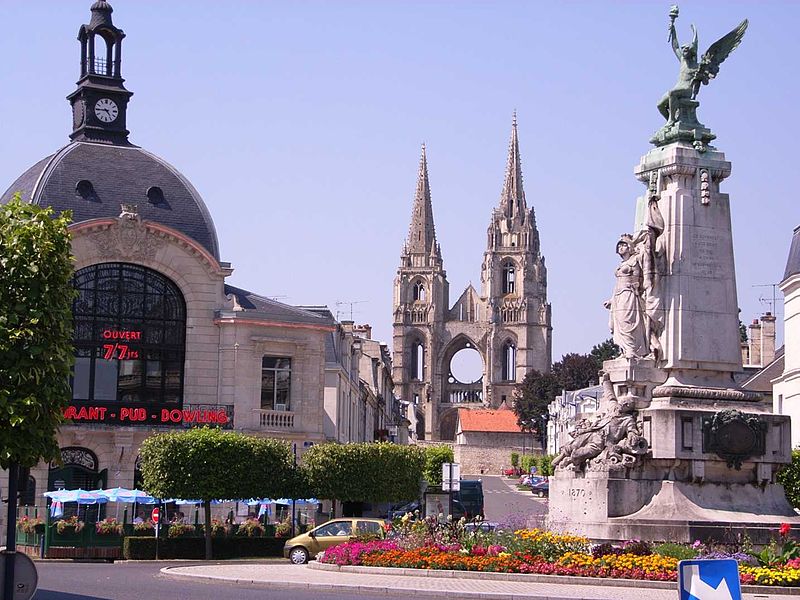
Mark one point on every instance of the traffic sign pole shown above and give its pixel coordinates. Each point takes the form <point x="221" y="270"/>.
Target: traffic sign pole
<point x="156" y="518"/>
<point x="11" y="533"/>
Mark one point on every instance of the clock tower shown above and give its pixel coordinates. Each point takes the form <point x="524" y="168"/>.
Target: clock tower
<point x="100" y="103"/>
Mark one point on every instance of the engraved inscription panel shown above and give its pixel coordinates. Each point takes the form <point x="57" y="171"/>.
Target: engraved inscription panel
<point x="706" y="254"/>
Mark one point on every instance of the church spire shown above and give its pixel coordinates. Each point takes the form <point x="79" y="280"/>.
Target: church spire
<point x="512" y="199"/>
<point x="422" y="233"/>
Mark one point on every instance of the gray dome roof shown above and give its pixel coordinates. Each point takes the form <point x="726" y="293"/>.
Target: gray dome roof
<point x="118" y="175"/>
<point x="793" y="263"/>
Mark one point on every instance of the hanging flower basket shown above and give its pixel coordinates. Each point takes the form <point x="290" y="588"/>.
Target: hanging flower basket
<point x="69" y="526"/>
<point x="108" y="527"/>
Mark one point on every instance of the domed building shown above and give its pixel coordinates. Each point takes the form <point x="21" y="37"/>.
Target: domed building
<point x="161" y="341"/>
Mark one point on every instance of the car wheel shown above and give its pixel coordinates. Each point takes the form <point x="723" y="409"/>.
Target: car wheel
<point x="540" y="493"/>
<point x="298" y="555"/>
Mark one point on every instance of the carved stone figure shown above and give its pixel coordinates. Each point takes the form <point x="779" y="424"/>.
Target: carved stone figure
<point x="679" y="104"/>
<point x="610" y="439"/>
<point x="635" y="317"/>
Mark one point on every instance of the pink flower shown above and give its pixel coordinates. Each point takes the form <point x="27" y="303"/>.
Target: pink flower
<point x="785" y="529"/>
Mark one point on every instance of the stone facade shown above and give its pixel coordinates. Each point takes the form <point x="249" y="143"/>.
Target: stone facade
<point x="507" y="322"/>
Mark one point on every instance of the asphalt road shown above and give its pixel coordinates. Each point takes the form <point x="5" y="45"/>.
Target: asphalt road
<point x="504" y="504"/>
<point x="142" y="581"/>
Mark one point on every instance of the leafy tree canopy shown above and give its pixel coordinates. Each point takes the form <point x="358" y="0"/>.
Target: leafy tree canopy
<point x="789" y="477"/>
<point x="35" y="330"/>
<point x="435" y="457"/>
<point x="575" y="371"/>
<point x="531" y="398"/>
<point x="606" y="350"/>
<point x="210" y="464"/>
<point x="365" y="472"/>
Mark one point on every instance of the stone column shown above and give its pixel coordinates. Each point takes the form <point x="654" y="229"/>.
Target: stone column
<point x="698" y="285"/>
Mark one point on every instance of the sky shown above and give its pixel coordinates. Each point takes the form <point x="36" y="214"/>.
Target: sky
<point x="300" y="123"/>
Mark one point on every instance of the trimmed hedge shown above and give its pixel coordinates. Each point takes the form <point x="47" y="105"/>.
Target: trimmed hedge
<point x="144" y="548"/>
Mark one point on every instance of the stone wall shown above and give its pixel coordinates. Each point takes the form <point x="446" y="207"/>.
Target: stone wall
<point x="481" y="453"/>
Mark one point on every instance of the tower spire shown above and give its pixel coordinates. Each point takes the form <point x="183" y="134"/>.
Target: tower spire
<point x="422" y="232"/>
<point x="512" y="198"/>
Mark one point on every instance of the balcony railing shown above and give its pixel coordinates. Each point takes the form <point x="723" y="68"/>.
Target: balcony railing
<point x="275" y="419"/>
<point x="464" y="395"/>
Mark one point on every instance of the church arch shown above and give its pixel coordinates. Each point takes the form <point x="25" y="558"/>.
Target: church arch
<point x="457" y="386"/>
<point x="419" y="292"/>
<point x="417" y="356"/>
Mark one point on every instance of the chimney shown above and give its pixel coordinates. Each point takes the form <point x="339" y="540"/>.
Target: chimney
<point x="754" y="340"/>
<point x="347" y="326"/>
<point x="363" y="331"/>
<point x="767" y="338"/>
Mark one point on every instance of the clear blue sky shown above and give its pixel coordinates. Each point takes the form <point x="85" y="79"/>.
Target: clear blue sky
<point x="300" y="123"/>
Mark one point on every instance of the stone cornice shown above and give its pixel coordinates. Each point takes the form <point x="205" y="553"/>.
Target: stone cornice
<point x="160" y="233"/>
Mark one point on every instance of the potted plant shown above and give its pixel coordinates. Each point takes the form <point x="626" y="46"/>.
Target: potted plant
<point x="218" y="528"/>
<point x="179" y="530"/>
<point x="109" y="526"/>
<point x="144" y="528"/>
<point x="69" y="526"/>
<point x="251" y="528"/>
<point x="283" y="529"/>
<point x="28" y="524"/>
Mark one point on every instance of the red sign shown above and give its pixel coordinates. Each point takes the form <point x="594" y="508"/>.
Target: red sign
<point x="118" y="350"/>
<point x="155" y="515"/>
<point x="209" y="415"/>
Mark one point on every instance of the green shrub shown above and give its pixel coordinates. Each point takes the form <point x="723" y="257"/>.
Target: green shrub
<point x="677" y="551"/>
<point x="789" y="477"/>
<point x="179" y="530"/>
<point x="144" y="548"/>
<point x="435" y="457"/>
<point x="251" y="528"/>
<point x="526" y="462"/>
<point x="515" y="459"/>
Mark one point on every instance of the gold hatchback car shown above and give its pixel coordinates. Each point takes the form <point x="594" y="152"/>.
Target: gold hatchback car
<point x="307" y="545"/>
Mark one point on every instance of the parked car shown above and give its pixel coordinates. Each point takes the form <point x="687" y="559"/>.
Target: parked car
<point x="307" y="545"/>
<point x="541" y="488"/>
<point x="400" y="510"/>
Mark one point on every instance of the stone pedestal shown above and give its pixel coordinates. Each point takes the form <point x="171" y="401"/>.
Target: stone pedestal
<point x="702" y="457"/>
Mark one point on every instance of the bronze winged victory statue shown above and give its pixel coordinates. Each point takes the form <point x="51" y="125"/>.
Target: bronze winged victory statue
<point x="679" y="104"/>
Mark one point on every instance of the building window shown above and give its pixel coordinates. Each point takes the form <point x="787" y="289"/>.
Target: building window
<point x="28" y="497"/>
<point x="508" y="278"/>
<point x="276" y="377"/>
<point x="417" y="361"/>
<point x="509" y="362"/>
<point x="129" y="336"/>
<point x="155" y="195"/>
<point x="419" y="292"/>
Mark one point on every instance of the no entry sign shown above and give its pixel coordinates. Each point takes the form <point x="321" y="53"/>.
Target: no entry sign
<point x="155" y="515"/>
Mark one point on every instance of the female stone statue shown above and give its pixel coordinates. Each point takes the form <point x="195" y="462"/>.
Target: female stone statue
<point x="628" y="318"/>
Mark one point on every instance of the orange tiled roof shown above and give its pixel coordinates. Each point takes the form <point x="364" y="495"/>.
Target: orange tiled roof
<point x="495" y="421"/>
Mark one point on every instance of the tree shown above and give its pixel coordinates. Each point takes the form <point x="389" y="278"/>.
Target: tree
<point x="531" y="399"/>
<point x="365" y="472"/>
<point x="435" y="457"/>
<point x="35" y="345"/>
<point x="789" y="478"/>
<point x="576" y="371"/>
<point x="742" y="332"/>
<point x="210" y="464"/>
<point x="35" y="331"/>
<point x="606" y="350"/>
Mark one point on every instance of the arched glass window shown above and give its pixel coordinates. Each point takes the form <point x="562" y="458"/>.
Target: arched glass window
<point x="129" y="337"/>
<point x="417" y="361"/>
<point x="419" y="292"/>
<point x="509" y="362"/>
<point x="509" y="280"/>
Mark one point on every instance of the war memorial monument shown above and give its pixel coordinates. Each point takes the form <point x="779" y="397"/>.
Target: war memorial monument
<point x="676" y="451"/>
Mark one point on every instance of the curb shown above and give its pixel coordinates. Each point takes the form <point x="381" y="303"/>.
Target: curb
<point x="534" y="578"/>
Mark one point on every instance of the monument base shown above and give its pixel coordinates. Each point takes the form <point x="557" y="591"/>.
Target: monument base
<point x="676" y="512"/>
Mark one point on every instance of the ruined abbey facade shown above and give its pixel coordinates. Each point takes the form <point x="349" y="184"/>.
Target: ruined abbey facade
<point x="507" y="322"/>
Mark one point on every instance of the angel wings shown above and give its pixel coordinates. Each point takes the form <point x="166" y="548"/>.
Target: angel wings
<point x="708" y="67"/>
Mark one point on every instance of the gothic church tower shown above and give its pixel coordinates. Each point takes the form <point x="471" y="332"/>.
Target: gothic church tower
<point x="507" y="323"/>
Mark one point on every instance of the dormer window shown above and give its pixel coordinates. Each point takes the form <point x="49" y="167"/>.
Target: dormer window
<point x="85" y="190"/>
<point x="155" y="195"/>
<point x="509" y="278"/>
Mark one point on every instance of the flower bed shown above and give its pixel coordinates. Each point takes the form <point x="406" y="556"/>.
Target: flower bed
<point x="448" y="546"/>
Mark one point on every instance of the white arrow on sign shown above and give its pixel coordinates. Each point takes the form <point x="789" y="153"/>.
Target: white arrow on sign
<point x="700" y="589"/>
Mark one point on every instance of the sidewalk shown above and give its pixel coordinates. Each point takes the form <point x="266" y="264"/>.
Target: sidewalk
<point x="426" y="585"/>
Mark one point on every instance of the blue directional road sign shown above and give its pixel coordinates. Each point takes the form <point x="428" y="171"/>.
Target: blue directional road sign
<point x="709" y="580"/>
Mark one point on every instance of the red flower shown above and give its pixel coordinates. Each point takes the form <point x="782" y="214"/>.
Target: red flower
<point x="785" y="529"/>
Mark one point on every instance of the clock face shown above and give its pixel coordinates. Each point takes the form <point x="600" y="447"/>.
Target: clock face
<point x="106" y="110"/>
